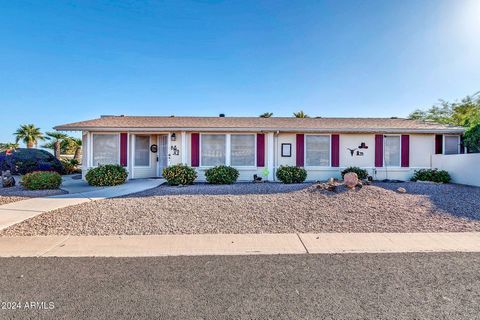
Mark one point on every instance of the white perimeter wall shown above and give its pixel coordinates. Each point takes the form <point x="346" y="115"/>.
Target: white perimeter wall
<point x="463" y="168"/>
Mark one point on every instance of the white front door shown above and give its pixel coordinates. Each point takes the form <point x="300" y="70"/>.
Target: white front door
<point x="162" y="153"/>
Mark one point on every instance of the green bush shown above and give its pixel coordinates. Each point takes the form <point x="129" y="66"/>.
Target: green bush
<point x="42" y="180"/>
<point x="179" y="174"/>
<point x="71" y="166"/>
<point x="291" y="174"/>
<point x="434" y="175"/>
<point x="222" y="175"/>
<point x="106" y="175"/>
<point x="361" y="173"/>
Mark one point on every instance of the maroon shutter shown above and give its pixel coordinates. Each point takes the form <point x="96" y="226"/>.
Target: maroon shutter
<point x="300" y="150"/>
<point x="438" y="144"/>
<point x="379" y="150"/>
<point x="195" y="149"/>
<point x="123" y="149"/>
<point x="335" y="150"/>
<point x="405" y="150"/>
<point x="260" y="150"/>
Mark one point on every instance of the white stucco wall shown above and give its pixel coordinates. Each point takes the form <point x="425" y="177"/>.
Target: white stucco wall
<point x="353" y="141"/>
<point x="422" y="147"/>
<point x="463" y="168"/>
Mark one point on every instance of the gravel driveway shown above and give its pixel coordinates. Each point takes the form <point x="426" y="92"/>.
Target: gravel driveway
<point x="17" y="193"/>
<point x="267" y="208"/>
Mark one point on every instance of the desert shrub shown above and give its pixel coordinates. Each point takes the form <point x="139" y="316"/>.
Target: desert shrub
<point x="434" y="175"/>
<point x="71" y="166"/>
<point x="179" y="174"/>
<point x="106" y="175"/>
<point x="41" y="180"/>
<point x="23" y="161"/>
<point x="221" y="175"/>
<point x="291" y="174"/>
<point x="362" y="174"/>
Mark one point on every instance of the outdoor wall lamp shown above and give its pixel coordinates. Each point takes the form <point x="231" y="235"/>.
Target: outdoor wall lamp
<point x="173" y="137"/>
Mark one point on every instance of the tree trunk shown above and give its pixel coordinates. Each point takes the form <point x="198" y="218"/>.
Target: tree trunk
<point x="56" y="150"/>
<point x="30" y="144"/>
<point x="76" y="156"/>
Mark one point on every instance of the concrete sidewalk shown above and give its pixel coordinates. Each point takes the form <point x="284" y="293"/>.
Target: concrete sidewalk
<point x="236" y="244"/>
<point x="15" y="212"/>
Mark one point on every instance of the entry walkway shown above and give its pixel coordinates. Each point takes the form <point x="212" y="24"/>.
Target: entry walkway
<point x="236" y="244"/>
<point x="15" y="212"/>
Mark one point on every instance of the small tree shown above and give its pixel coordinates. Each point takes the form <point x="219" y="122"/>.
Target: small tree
<point x="266" y="115"/>
<point x="56" y="139"/>
<point x="73" y="146"/>
<point x="300" y="114"/>
<point x="7" y="146"/>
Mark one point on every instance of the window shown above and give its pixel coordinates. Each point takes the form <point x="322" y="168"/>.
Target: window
<point x="391" y="153"/>
<point x="242" y="150"/>
<point x="106" y="149"/>
<point x="452" y="144"/>
<point x="317" y="150"/>
<point x="213" y="148"/>
<point x="142" y="151"/>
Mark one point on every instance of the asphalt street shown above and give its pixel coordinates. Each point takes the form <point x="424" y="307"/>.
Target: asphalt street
<point x="348" y="286"/>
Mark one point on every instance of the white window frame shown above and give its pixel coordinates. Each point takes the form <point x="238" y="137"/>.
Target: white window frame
<point x="305" y="151"/>
<point x="459" y="147"/>
<point x="229" y="138"/>
<point x="149" y="155"/>
<point x="399" y="154"/>
<point x="93" y="165"/>
<point x="227" y="149"/>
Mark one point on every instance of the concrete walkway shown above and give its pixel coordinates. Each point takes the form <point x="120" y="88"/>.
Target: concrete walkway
<point x="15" y="212"/>
<point x="236" y="244"/>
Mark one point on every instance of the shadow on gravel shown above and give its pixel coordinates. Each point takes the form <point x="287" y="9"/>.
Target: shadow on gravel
<point x="240" y="188"/>
<point x="454" y="199"/>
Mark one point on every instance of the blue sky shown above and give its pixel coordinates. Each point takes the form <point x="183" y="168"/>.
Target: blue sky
<point x="65" y="61"/>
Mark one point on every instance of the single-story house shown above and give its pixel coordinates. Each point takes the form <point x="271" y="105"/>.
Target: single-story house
<point x="389" y="148"/>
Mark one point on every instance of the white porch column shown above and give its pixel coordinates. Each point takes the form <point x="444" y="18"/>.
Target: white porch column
<point x="270" y="156"/>
<point x="184" y="147"/>
<point x="132" y="156"/>
<point x="85" y="152"/>
<point x="228" y="149"/>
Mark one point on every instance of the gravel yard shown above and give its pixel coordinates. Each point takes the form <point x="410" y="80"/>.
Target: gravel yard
<point x="267" y="208"/>
<point x="17" y="193"/>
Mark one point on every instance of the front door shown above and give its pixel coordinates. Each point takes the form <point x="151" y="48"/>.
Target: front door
<point x="162" y="153"/>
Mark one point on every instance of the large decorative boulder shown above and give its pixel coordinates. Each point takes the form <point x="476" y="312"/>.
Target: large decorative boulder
<point x="350" y="180"/>
<point x="23" y="161"/>
<point x="7" y="179"/>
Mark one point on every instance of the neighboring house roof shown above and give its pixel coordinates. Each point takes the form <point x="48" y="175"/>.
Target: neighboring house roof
<point x="159" y="123"/>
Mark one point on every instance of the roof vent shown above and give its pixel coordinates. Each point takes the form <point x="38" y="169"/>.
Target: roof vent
<point x="393" y="117"/>
<point x="111" y="115"/>
<point x="222" y="115"/>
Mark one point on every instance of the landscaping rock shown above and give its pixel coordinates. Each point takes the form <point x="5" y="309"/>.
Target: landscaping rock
<point x="350" y="180"/>
<point x="401" y="190"/>
<point x="7" y="180"/>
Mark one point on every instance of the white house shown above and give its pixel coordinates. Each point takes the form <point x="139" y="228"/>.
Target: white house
<point x="389" y="148"/>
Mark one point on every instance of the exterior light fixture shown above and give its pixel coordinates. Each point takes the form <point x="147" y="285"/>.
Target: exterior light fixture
<point x="173" y="137"/>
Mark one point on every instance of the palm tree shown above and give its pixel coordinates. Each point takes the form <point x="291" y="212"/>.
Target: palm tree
<point x="8" y="145"/>
<point x="56" y="139"/>
<point x="74" y="144"/>
<point x="300" y="114"/>
<point x="266" y="115"/>
<point x="29" y="134"/>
